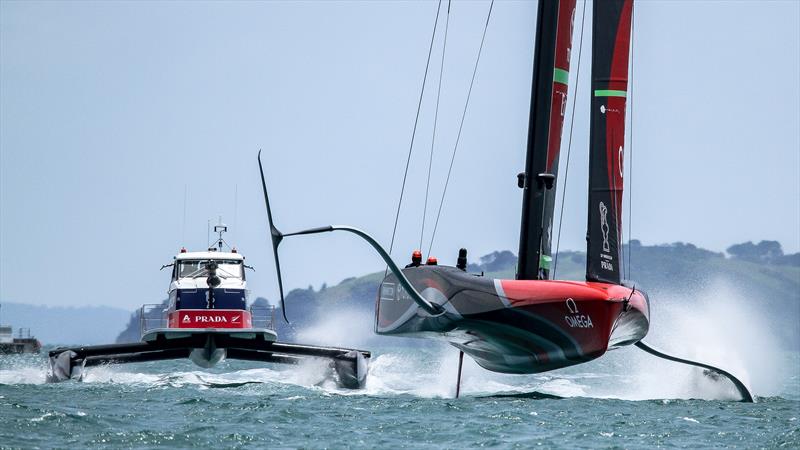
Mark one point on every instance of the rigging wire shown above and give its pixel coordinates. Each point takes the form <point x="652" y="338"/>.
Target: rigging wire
<point x="183" y="227"/>
<point x="235" y="209"/>
<point x="461" y="126"/>
<point x="569" y="142"/>
<point x="414" y="131"/>
<point x="435" y="121"/>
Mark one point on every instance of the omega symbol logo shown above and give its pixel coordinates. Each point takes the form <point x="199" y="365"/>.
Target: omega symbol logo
<point x="572" y="306"/>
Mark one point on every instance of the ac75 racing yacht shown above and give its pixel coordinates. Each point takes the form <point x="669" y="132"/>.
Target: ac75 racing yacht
<point x="534" y="323"/>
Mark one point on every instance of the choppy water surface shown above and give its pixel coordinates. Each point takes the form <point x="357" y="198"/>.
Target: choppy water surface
<point x="623" y="400"/>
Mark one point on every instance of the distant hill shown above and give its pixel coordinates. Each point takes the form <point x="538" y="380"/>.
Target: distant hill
<point x="758" y="273"/>
<point x="56" y="325"/>
<point x="132" y="332"/>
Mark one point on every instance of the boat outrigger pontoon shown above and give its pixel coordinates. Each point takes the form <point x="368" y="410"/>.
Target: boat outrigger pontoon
<point x="207" y="320"/>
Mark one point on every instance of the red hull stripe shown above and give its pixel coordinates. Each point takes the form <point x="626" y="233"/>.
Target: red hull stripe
<point x="525" y="292"/>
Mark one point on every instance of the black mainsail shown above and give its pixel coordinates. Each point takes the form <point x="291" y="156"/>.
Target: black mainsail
<point x="554" y="23"/>
<point x="610" y="51"/>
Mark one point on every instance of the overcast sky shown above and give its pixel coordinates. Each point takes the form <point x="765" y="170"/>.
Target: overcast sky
<point x="110" y="110"/>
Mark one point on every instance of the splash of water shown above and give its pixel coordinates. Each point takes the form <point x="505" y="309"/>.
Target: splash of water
<point x="418" y="367"/>
<point x="22" y="375"/>
<point x="716" y="326"/>
<point x="341" y="327"/>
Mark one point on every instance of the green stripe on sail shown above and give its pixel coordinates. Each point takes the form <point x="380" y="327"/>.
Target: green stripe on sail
<point x="609" y="93"/>
<point x="560" y="76"/>
<point x="544" y="262"/>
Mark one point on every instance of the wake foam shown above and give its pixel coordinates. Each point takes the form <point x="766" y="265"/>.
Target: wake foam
<point x="715" y="326"/>
<point x="22" y="375"/>
<point x="308" y="375"/>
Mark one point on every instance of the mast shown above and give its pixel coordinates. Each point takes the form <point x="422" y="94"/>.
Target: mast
<point x="610" y="51"/>
<point x="554" y="24"/>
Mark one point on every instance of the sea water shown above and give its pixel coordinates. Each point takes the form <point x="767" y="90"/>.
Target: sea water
<point x="626" y="399"/>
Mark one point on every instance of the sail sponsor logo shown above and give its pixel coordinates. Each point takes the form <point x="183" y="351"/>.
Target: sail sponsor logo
<point x="388" y="292"/>
<point x="549" y="232"/>
<point x="194" y="318"/>
<point x="571" y="30"/>
<point x="210" y="319"/>
<point x="403" y="295"/>
<point x="604" y="110"/>
<point x="214" y="319"/>
<point x="393" y="292"/>
<point x="604" y="228"/>
<point x="575" y="319"/>
<point x="572" y="306"/>
<point x="605" y="262"/>
<point x="579" y="321"/>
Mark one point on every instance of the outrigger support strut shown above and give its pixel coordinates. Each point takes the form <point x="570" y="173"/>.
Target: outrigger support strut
<point x="747" y="397"/>
<point x="350" y="365"/>
<point x="460" y="365"/>
<point x="277" y="238"/>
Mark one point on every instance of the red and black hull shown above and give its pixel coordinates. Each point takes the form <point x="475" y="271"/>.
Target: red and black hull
<point x="515" y="326"/>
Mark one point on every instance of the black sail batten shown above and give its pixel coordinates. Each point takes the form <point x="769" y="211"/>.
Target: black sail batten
<point x="610" y="51"/>
<point x="553" y="40"/>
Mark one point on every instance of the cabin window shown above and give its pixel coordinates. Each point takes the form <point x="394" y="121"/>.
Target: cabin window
<point x="226" y="268"/>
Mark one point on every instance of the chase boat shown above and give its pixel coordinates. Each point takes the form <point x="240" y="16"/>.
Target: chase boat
<point x="207" y="320"/>
<point x="207" y="300"/>
<point x="23" y="342"/>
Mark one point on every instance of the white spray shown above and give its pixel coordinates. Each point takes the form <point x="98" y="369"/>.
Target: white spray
<point x="715" y="326"/>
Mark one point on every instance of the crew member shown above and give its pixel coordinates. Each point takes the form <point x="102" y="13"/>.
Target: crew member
<point x="416" y="259"/>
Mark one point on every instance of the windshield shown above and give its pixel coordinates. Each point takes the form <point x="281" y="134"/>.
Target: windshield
<point x="194" y="268"/>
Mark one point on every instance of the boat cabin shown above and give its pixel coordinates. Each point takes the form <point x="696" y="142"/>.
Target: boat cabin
<point x="6" y="336"/>
<point x="194" y="273"/>
<point x="22" y="343"/>
<point x="207" y="292"/>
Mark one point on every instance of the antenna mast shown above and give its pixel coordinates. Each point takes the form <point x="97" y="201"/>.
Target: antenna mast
<point x="220" y="228"/>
